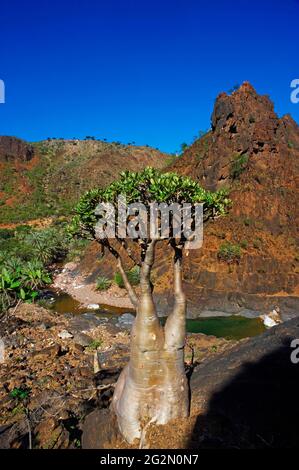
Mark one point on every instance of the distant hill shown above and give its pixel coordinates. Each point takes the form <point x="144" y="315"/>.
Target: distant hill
<point x="46" y="178"/>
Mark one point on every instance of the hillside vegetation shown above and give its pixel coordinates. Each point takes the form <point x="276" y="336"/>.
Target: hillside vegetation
<point x="47" y="178"/>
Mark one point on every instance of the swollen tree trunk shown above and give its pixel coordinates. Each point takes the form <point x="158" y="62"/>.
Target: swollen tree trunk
<point x="153" y="386"/>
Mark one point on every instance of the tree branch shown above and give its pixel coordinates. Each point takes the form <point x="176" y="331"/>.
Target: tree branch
<point x="175" y="327"/>
<point x="177" y="272"/>
<point x="128" y="285"/>
<point x="147" y="264"/>
<point x="130" y="290"/>
<point x="129" y="252"/>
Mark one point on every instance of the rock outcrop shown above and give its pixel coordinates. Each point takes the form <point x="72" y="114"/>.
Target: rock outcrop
<point x="54" y="380"/>
<point x="243" y="398"/>
<point x="248" y="396"/>
<point x="12" y="148"/>
<point x="255" y="154"/>
<point x="244" y="124"/>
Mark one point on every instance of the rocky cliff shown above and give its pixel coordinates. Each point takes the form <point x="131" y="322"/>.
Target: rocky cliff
<point x="12" y="148"/>
<point x="249" y="260"/>
<point x="256" y="155"/>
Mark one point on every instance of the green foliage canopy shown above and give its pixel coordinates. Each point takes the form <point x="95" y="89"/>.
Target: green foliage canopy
<point x="147" y="186"/>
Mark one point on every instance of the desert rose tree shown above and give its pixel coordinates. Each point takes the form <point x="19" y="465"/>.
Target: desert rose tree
<point x="153" y="387"/>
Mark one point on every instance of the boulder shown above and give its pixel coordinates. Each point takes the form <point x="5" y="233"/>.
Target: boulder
<point x="82" y="339"/>
<point x="64" y="334"/>
<point x="93" y="307"/>
<point x="100" y="430"/>
<point x="126" y="320"/>
<point x="50" y="352"/>
<point x="248" y="396"/>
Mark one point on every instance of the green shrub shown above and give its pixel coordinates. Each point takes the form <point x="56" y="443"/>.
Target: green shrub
<point x="76" y="248"/>
<point x="238" y="165"/>
<point x="170" y="159"/>
<point x="184" y="147"/>
<point x="118" y="279"/>
<point x="229" y="252"/>
<point x="244" y="244"/>
<point x="248" y="221"/>
<point x="47" y="245"/>
<point x="20" y="281"/>
<point x="94" y="345"/>
<point x="133" y="276"/>
<point x="23" y="229"/>
<point x="5" y="301"/>
<point x="20" y="393"/>
<point x="103" y="283"/>
<point x="5" y="234"/>
<point x="234" y="88"/>
<point x="26" y="253"/>
<point x="257" y="244"/>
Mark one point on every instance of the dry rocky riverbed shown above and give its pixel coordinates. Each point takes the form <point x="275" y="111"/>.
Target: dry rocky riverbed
<point x="73" y="282"/>
<point x="57" y="369"/>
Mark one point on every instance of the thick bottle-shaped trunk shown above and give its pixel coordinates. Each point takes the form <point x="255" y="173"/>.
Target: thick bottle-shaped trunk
<point x="153" y="387"/>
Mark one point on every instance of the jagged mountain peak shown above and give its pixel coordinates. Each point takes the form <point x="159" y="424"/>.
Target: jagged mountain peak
<point x="244" y="105"/>
<point x="246" y="133"/>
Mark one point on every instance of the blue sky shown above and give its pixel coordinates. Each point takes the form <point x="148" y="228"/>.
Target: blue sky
<point x="143" y="71"/>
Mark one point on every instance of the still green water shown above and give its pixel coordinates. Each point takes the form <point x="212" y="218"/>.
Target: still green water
<point x="232" y="327"/>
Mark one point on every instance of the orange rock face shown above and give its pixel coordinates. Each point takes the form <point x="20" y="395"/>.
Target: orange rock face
<point x="255" y="154"/>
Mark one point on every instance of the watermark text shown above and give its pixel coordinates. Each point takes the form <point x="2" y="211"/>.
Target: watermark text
<point x="295" y="353"/>
<point x="295" y="92"/>
<point x="2" y="92"/>
<point x="154" y="221"/>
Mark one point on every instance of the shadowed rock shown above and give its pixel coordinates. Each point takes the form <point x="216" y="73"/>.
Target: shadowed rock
<point x="250" y="394"/>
